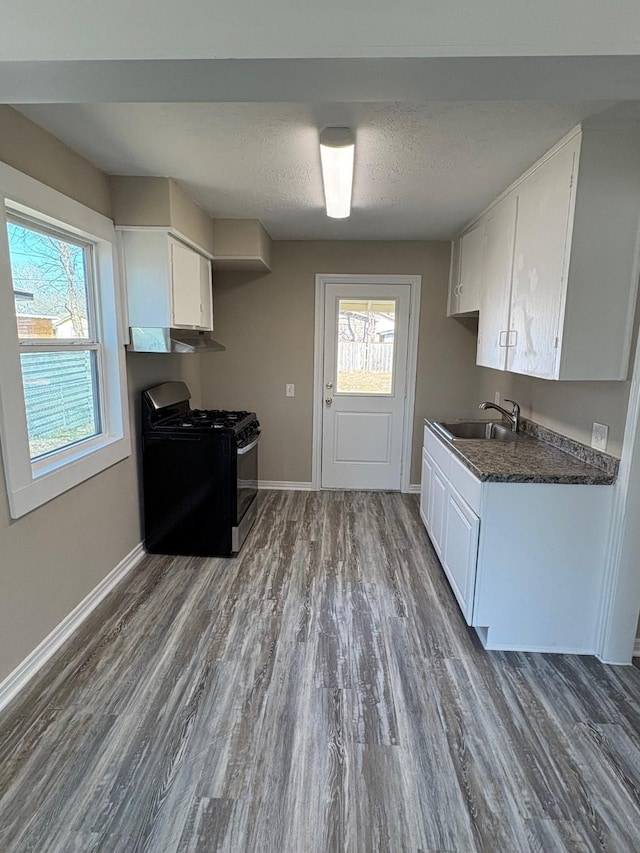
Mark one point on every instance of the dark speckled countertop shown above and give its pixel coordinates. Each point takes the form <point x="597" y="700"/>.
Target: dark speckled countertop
<point x="532" y="458"/>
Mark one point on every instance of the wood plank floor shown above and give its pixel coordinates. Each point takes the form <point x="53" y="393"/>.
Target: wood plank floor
<point x="320" y="692"/>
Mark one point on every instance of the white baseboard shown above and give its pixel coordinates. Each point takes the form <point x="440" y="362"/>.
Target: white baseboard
<point x="636" y="648"/>
<point x="285" y="485"/>
<point x="290" y="485"/>
<point x="25" y="671"/>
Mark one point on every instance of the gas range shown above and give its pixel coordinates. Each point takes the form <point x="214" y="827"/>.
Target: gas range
<point x="165" y="408"/>
<point x="200" y="471"/>
<point x="215" y="419"/>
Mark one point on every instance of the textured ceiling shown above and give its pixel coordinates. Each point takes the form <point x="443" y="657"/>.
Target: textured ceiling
<point x="422" y="170"/>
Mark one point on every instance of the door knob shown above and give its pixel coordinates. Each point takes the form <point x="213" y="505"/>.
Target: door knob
<point x="329" y="385"/>
<point x="329" y="401"/>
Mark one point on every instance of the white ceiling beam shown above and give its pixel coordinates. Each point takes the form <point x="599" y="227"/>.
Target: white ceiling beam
<point x="245" y="29"/>
<point x="322" y="80"/>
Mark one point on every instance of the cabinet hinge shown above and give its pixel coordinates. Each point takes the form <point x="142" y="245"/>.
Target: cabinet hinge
<point x="555" y="346"/>
<point x="571" y="181"/>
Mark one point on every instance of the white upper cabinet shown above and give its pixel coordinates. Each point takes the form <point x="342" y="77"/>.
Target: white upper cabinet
<point x="560" y="263"/>
<point x="168" y="282"/>
<point x="185" y="285"/>
<point x="540" y="255"/>
<point x="454" y="277"/>
<point x="466" y="272"/>
<point x="495" y="291"/>
<point x="206" y="294"/>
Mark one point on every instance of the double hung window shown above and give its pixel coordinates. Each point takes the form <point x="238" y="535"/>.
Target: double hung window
<point x="64" y="413"/>
<point x="53" y="290"/>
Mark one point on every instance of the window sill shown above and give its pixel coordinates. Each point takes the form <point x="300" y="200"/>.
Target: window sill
<point x="48" y="484"/>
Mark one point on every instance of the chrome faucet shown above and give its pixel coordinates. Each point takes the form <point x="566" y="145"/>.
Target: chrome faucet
<point x="513" y="416"/>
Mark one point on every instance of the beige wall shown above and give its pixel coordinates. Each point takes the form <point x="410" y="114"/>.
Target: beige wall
<point x="267" y="324"/>
<point x="140" y="201"/>
<point x="159" y="202"/>
<point x="32" y="150"/>
<point x="53" y="557"/>
<point x="189" y="218"/>
<point x="567" y="407"/>
<point x="241" y="240"/>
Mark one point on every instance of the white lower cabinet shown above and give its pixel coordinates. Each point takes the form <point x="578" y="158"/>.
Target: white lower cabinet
<point x="460" y="551"/>
<point x="438" y="508"/>
<point x="525" y="561"/>
<point x="425" y="486"/>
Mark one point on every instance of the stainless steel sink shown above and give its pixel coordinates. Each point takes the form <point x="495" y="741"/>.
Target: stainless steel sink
<point x="482" y="430"/>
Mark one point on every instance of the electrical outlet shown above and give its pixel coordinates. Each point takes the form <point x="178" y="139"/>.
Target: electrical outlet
<point x="290" y="390"/>
<point x="599" y="435"/>
<point x="496" y="398"/>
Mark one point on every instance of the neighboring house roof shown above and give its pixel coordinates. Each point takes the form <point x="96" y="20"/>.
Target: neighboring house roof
<point x="60" y="321"/>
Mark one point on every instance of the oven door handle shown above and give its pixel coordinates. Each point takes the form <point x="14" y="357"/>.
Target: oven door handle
<point x="243" y="450"/>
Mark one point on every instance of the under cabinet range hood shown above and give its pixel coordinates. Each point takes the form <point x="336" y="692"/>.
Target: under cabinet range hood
<point x="154" y="339"/>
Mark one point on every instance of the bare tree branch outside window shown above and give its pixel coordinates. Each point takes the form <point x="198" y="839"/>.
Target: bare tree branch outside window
<point x="53" y="271"/>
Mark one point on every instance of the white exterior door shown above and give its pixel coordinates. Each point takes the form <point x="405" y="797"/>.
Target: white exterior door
<point x="364" y="389"/>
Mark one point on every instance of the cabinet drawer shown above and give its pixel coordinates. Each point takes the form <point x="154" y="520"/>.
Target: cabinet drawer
<point x="437" y="450"/>
<point x="466" y="485"/>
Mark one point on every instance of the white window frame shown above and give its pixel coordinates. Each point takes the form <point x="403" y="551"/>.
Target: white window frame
<point x="31" y="484"/>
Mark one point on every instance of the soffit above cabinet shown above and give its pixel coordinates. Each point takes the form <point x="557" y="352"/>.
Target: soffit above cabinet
<point x="140" y="202"/>
<point x="241" y="244"/>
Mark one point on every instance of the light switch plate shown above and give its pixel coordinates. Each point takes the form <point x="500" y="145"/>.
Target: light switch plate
<point x="496" y="398"/>
<point x="290" y="390"/>
<point x="599" y="435"/>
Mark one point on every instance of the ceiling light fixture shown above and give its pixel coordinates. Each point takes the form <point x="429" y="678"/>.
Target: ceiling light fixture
<point x="337" y="149"/>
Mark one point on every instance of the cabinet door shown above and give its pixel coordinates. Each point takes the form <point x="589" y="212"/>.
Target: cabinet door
<point x="437" y="508"/>
<point x="206" y="294"/>
<point x="454" y="278"/>
<point x="461" y="551"/>
<point x="471" y="254"/>
<point x="425" y="485"/>
<point x="495" y="292"/>
<point x="537" y="295"/>
<point x="185" y="285"/>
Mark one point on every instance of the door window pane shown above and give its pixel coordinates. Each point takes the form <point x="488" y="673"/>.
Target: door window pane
<point x="60" y="399"/>
<point x="49" y="285"/>
<point x="366" y="334"/>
